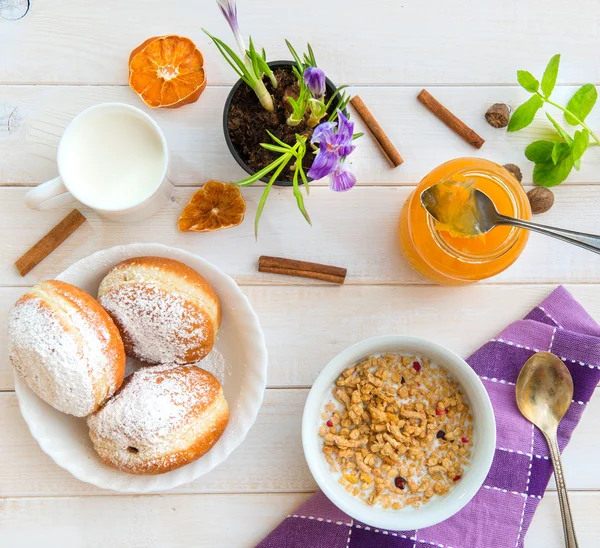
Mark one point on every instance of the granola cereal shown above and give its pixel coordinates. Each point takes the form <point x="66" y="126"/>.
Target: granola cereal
<point x="398" y="431"/>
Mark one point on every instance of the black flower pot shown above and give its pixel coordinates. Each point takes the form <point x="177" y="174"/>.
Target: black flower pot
<point x="331" y="89"/>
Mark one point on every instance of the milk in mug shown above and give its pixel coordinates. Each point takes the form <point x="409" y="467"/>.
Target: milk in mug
<point x="113" y="158"/>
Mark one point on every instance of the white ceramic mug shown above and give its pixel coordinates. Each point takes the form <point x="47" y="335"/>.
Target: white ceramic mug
<point x="112" y="158"/>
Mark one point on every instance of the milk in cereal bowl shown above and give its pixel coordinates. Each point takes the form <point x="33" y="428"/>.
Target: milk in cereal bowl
<point x="399" y="432"/>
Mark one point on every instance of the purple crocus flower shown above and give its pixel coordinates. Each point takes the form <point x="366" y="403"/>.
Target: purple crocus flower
<point x="229" y="10"/>
<point x="314" y="78"/>
<point x="341" y="179"/>
<point x="335" y="143"/>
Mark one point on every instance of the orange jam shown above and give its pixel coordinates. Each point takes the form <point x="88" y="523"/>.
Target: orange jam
<point x="454" y="208"/>
<point x="445" y="255"/>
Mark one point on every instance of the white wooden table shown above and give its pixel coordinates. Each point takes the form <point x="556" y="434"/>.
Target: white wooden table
<point x="66" y="55"/>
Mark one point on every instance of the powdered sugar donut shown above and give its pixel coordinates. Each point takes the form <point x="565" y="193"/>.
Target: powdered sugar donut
<point x="66" y="347"/>
<point x="163" y="417"/>
<point x="166" y="312"/>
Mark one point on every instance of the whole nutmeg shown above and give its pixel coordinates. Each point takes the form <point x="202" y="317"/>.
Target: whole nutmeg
<point x="498" y="115"/>
<point x="541" y="199"/>
<point x="515" y="170"/>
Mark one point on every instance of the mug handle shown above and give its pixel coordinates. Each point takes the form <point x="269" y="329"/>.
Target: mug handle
<point x="48" y="195"/>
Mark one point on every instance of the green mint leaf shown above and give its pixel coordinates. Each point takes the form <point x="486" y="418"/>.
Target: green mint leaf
<point x="581" y="104"/>
<point x="548" y="174"/>
<point x="577" y="164"/>
<point x="550" y="75"/>
<point x="560" y="151"/>
<point x="560" y="130"/>
<point x="528" y="81"/>
<point x="539" y="151"/>
<point x="581" y="142"/>
<point x="525" y="114"/>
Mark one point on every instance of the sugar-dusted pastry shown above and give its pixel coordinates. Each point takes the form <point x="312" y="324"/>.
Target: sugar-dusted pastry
<point x="163" y="417"/>
<point x="166" y="312"/>
<point x="66" y="347"/>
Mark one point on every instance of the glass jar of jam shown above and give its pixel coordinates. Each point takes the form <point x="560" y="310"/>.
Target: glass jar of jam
<point x="451" y="260"/>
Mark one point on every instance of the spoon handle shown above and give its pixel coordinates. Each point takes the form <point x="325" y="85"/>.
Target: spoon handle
<point x="563" y="497"/>
<point x="590" y="242"/>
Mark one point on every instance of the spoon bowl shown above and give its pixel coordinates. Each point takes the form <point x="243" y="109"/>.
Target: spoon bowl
<point x="544" y="390"/>
<point x="479" y="214"/>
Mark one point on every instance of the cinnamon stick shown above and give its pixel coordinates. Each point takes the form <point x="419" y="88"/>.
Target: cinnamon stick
<point x="377" y="131"/>
<point x="291" y="267"/>
<point x="452" y="121"/>
<point x="50" y="242"/>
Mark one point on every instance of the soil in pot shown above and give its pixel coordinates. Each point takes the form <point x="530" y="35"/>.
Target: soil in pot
<point x="248" y="122"/>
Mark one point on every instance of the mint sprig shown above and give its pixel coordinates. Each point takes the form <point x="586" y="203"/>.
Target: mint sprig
<point x="554" y="160"/>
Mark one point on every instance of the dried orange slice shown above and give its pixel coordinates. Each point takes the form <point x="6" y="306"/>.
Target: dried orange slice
<point x="167" y="71"/>
<point x="215" y="206"/>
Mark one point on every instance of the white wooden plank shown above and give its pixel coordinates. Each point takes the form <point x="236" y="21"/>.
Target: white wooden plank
<point x="206" y="521"/>
<point x="226" y="521"/>
<point x="356" y="230"/>
<point x="546" y="528"/>
<point x="387" y="42"/>
<point x="32" y="119"/>
<point x="461" y="319"/>
<point x="270" y="459"/>
<point x="299" y="347"/>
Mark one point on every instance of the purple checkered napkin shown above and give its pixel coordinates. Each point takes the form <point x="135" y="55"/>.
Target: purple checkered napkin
<point x="501" y="512"/>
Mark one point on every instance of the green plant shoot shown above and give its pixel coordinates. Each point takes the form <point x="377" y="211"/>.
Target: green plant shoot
<point x="287" y="153"/>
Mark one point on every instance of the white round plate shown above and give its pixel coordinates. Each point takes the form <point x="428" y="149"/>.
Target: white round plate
<point x="240" y="341"/>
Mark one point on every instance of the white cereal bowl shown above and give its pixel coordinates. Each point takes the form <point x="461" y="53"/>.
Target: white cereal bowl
<point x="240" y="341"/>
<point x="439" y="508"/>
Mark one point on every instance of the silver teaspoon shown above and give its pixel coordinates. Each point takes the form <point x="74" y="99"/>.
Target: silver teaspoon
<point x="544" y="394"/>
<point x="487" y="217"/>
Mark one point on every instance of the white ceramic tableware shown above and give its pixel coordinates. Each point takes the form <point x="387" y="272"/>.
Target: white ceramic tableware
<point x="240" y="341"/>
<point x="439" y="508"/>
<point x="112" y="158"/>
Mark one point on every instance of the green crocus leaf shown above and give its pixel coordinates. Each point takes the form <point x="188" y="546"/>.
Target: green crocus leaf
<point x="560" y="151"/>
<point x="284" y="159"/>
<point x="525" y="114"/>
<point x="274" y="148"/>
<point x="298" y="194"/>
<point x="550" y="75"/>
<point x="539" y="151"/>
<point x="550" y="174"/>
<point x="528" y="81"/>
<point x="560" y="130"/>
<point x="279" y="141"/>
<point x="581" y="142"/>
<point x="581" y="104"/>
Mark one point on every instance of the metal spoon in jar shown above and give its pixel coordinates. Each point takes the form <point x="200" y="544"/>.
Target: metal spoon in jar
<point x="486" y="216"/>
<point x="544" y="394"/>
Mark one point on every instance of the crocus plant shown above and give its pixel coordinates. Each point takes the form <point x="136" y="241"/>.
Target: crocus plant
<point x="329" y="137"/>
<point x="252" y="66"/>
